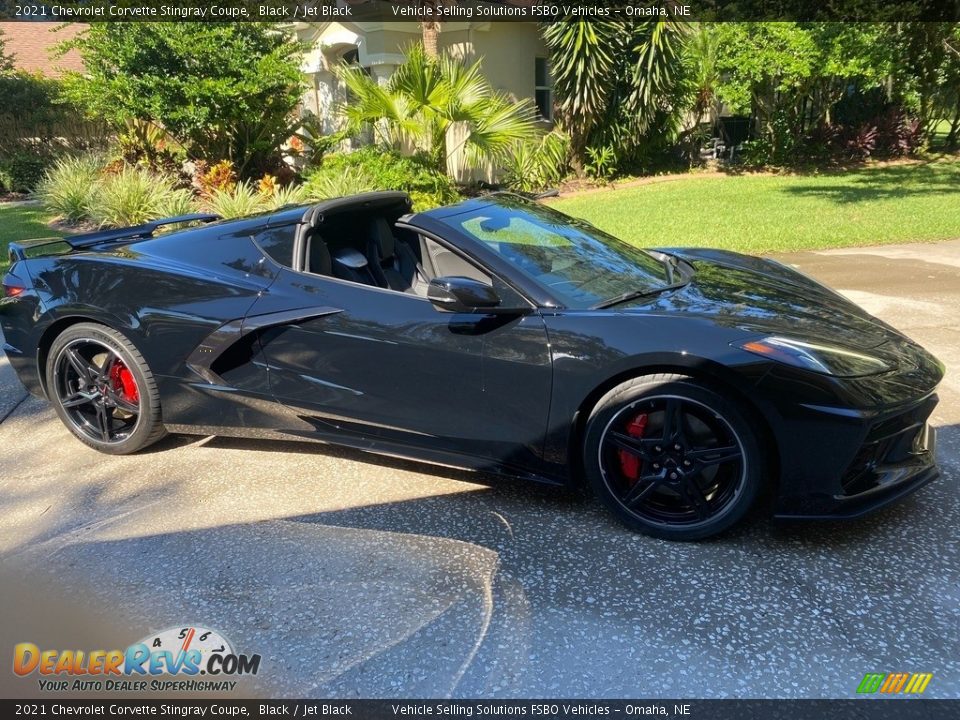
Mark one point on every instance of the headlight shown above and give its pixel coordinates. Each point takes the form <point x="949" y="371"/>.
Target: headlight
<point x="825" y="359"/>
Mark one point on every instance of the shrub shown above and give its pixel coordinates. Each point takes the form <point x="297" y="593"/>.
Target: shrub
<point x="68" y="187"/>
<point x="602" y="163"/>
<point x="350" y="181"/>
<point x="177" y="202"/>
<point x="268" y="185"/>
<point x="36" y="127"/>
<point x="148" y="145"/>
<point x="898" y="133"/>
<point x="891" y="133"/>
<point x="22" y="170"/>
<point x="239" y="201"/>
<point x="223" y="90"/>
<point x="290" y="195"/>
<point x="221" y="177"/>
<point x="533" y="166"/>
<point x="130" y="197"/>
<point x="373" y="168"/>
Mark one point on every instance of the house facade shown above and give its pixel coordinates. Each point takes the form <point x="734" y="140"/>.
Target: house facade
<point x="513" y="56"/>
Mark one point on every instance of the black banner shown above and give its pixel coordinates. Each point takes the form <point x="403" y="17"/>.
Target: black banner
<point x="477" y="10"/>
<point x="855" y="709"/>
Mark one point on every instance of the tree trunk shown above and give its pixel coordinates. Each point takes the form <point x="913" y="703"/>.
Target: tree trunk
<point x="430" y="29"/>
<point x="952" y="136"/>
<point x="431" y="36"/>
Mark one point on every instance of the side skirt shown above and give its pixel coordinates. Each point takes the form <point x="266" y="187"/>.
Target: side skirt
<point x="376" y="447"/>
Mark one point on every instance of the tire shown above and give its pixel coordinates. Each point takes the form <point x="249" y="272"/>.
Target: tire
<point x="103" y="390"/>
<point x="684" y="480"/>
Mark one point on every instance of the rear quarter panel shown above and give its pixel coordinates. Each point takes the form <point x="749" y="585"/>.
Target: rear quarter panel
<point x="166" y="295"/>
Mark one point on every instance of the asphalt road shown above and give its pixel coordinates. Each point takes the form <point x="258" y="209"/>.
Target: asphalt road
<point x="359" y="576"/>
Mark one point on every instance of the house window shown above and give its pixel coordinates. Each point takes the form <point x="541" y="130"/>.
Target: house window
<point x="543" y="94"/>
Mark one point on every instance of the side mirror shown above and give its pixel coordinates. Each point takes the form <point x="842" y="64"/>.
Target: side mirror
<point x="462" y="295"/>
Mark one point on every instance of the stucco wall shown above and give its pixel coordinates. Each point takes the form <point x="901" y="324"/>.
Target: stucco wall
<point x="506" y="50"/>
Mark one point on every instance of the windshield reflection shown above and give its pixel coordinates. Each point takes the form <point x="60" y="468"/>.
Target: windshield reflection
<point x="581" y="265"/>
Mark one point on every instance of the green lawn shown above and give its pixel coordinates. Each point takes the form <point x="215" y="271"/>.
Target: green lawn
<point x="20" y="223"/>
<point x="749" y="213"/>
<point x="766" y="213"/>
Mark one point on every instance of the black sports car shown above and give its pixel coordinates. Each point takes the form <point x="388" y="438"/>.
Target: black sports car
<point x="495" y="334"/>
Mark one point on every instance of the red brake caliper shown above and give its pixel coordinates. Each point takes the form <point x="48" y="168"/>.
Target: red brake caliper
<point x="123" y="383"/>
<point x="630" y="463"/>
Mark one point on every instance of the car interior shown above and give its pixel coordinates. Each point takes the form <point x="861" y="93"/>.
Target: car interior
<point x="371" y="250"/>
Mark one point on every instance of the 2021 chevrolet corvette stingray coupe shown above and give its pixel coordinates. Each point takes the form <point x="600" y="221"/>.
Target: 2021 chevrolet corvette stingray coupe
<point x="496" y="334"/>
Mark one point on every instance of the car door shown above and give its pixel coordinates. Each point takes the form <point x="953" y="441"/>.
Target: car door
<point x="390" y="368"/>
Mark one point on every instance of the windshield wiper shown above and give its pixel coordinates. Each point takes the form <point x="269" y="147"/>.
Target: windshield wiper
<point x="634" y="294"/>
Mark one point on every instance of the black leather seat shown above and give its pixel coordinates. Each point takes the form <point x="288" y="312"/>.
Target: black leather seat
<point x="350" y="264"/>
<point x="393" y="263"/>
<point x="318" y="256"/>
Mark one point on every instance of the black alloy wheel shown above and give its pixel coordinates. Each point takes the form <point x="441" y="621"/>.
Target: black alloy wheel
<point x="672" y="458"/>
<point x="102" y="389"/>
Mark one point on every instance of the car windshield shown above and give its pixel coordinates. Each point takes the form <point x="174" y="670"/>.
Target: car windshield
<point x="581" y="265"/>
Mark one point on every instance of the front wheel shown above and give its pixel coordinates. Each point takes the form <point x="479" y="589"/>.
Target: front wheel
<point x="671" y="457"/>
<point x="103" y="390"/>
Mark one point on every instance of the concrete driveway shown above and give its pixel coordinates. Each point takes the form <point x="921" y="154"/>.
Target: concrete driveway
<point x="358" y="576"/>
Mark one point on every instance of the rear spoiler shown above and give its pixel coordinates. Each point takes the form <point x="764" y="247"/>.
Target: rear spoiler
<point x="137" y="232"/>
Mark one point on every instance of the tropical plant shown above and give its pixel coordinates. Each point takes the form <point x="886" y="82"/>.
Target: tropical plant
<point x="537" y="165"/>
<point x="601" y="162"/>
<point x="616" y="82"/>
<point x="223" y="90"/>
<point x="702" y="78"/>
<point x="145" y="143"/>
<point x="129" y="197"/>
<point x="584" y="57"/>
<point x="68" y="187"/>
<point x="220" y="177"/>
<point x="239" y="201"/>
<point x="267" y="185"/>
<point x="289" y="195"/>
<point x="374" y="168"/>
<point x="430" y="29"/>
<point x="426" y="98"/>
<point x="350" y="181"/>
<point x="176" y="203"/>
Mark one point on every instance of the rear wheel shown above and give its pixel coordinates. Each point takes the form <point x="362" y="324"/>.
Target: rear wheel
<point x="103" y="390"/>
<point x="672" y="458"/>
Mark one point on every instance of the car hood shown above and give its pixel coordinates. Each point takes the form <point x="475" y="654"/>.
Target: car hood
<point x="762" y="296"/>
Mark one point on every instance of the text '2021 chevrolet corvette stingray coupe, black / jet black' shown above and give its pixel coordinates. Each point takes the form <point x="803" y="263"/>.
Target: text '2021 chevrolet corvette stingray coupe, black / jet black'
<point x="496" y="334"/>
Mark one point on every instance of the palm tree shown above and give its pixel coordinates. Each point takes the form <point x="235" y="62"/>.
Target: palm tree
<point x="657" y="50"/>
<point x="426" y="97"/>
<point x="431" y="37"/>
<point x="705" y="78"/>
<point x="430" y="30"/>
<point x="583" y="59"/>
<point x="613" y="79"/>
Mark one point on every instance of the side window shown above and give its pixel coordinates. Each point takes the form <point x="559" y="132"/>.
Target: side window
<point x="447" y="263"/>
<point x="277" y="242"/>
